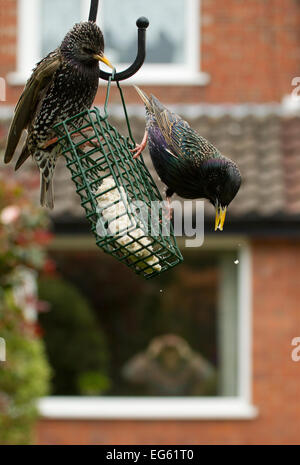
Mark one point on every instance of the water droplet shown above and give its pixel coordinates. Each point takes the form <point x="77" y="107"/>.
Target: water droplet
<point x="236" y="262"/>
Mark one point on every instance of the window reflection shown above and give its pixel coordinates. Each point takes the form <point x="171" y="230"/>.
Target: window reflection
<point x="166" y="37"/>
<point x="172" y="335"/>
<point x="57" y="17"/>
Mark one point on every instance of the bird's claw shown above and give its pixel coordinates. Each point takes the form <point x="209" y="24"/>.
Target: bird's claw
<point x="140" y="147"/>
<point x="168" y="211"/>
<point x="137" y="150"/>
<point x="169" y="214"/>
<point x="90" y="143"/>
<point x="87" y="143"/>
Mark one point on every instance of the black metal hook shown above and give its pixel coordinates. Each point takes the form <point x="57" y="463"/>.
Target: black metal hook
<point x="142" y="24"/>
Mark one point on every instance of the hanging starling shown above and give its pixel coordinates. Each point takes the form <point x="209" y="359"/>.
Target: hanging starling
<point x="188" y="164"/>
<point x="62" y="84"/>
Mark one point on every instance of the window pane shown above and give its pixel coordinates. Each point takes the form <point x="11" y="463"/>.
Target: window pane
<point x="175" y="335"/>
<point x="57" y="18"/>
<point x="166" y="34"/>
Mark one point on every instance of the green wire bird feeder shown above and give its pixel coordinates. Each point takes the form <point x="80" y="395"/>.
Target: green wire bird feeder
<point x="116" y="191"/>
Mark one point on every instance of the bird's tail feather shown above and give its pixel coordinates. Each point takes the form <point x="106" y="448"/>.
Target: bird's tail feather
<point x="46" y="163"/>
<point x="46" y="198"/>
<point x="23" y="157"/>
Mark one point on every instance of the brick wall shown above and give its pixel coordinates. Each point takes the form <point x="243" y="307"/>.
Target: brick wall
<point x="8" y="31"/>
<point x="276" y="378"/>
<point x="251" y="49"/>
<point x="8" y="40"/>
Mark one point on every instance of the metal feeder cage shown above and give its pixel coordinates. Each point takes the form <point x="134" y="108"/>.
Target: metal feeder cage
<point x="112" y="186"/>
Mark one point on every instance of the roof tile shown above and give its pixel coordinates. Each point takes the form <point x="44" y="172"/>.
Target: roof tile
<point x="267" y="150"/>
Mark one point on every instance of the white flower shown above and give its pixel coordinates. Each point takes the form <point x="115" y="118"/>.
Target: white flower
<point x="10" y="214"/>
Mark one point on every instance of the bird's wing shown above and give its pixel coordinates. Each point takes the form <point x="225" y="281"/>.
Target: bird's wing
<point x="172" y="126"/>
<point x="165" y="119"/>
<point x="182" y="140"/>
<point x="26" y="106"/>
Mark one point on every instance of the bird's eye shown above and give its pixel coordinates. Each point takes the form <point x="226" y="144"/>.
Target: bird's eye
<point x="88" y="50"/>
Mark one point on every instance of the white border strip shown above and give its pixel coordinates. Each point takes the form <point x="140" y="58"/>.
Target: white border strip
<point x="149" y="408"/>
<point x="245" y="324"/>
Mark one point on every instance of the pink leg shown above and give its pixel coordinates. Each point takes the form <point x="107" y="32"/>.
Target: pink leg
<point x="50" y="142"/>
<point x="140" y="147"/>
<point x="55" y="139"/>
<point x="88" y="143"/>
<point x="168" y="215"/>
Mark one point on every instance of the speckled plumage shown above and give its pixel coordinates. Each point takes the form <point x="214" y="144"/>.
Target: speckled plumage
<point x="62" y="84"/>
<point x="188" y="164"/>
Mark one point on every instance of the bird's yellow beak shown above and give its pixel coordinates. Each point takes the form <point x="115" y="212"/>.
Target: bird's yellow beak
<point x="220" y="217"/>
<point x="104" y="60"/>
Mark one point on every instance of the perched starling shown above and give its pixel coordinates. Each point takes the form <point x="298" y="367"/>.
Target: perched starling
<point x="188" y="164"/>
<point x="62" y="84"/>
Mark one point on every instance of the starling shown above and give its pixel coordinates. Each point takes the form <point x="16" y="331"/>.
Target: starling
<point x="188" y="164"/>
<point x="62" y="84"/>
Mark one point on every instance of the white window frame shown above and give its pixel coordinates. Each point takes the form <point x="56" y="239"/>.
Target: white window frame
<point x="28" y="43"/>
<point x="197" y="408"/>
<point x="28" y="49"/>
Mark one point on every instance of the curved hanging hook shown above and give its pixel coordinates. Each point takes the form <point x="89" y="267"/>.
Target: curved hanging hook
<point x="142" y="24"/>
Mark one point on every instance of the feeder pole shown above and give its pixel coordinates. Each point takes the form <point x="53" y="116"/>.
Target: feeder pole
<point x="142" y="24"/>
<point x="93" y="10"/>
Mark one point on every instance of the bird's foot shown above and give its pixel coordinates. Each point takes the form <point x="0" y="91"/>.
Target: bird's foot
<point x="82" y="131"/>
<point x="168" y="211"/>
<point x="88" y="143"/>
<point x="140" y="147"/>
<point x="54" y="140"/>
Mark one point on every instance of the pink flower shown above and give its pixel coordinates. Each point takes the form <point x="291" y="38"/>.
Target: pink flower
<point x="10" y="214"/>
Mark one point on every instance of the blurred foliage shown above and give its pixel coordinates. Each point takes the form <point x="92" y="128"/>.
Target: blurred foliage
<point x="75" y="344"/>
<point x="24" y="376"/>
<point x="22" y="232"/>
<point x="93" y="383"/>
